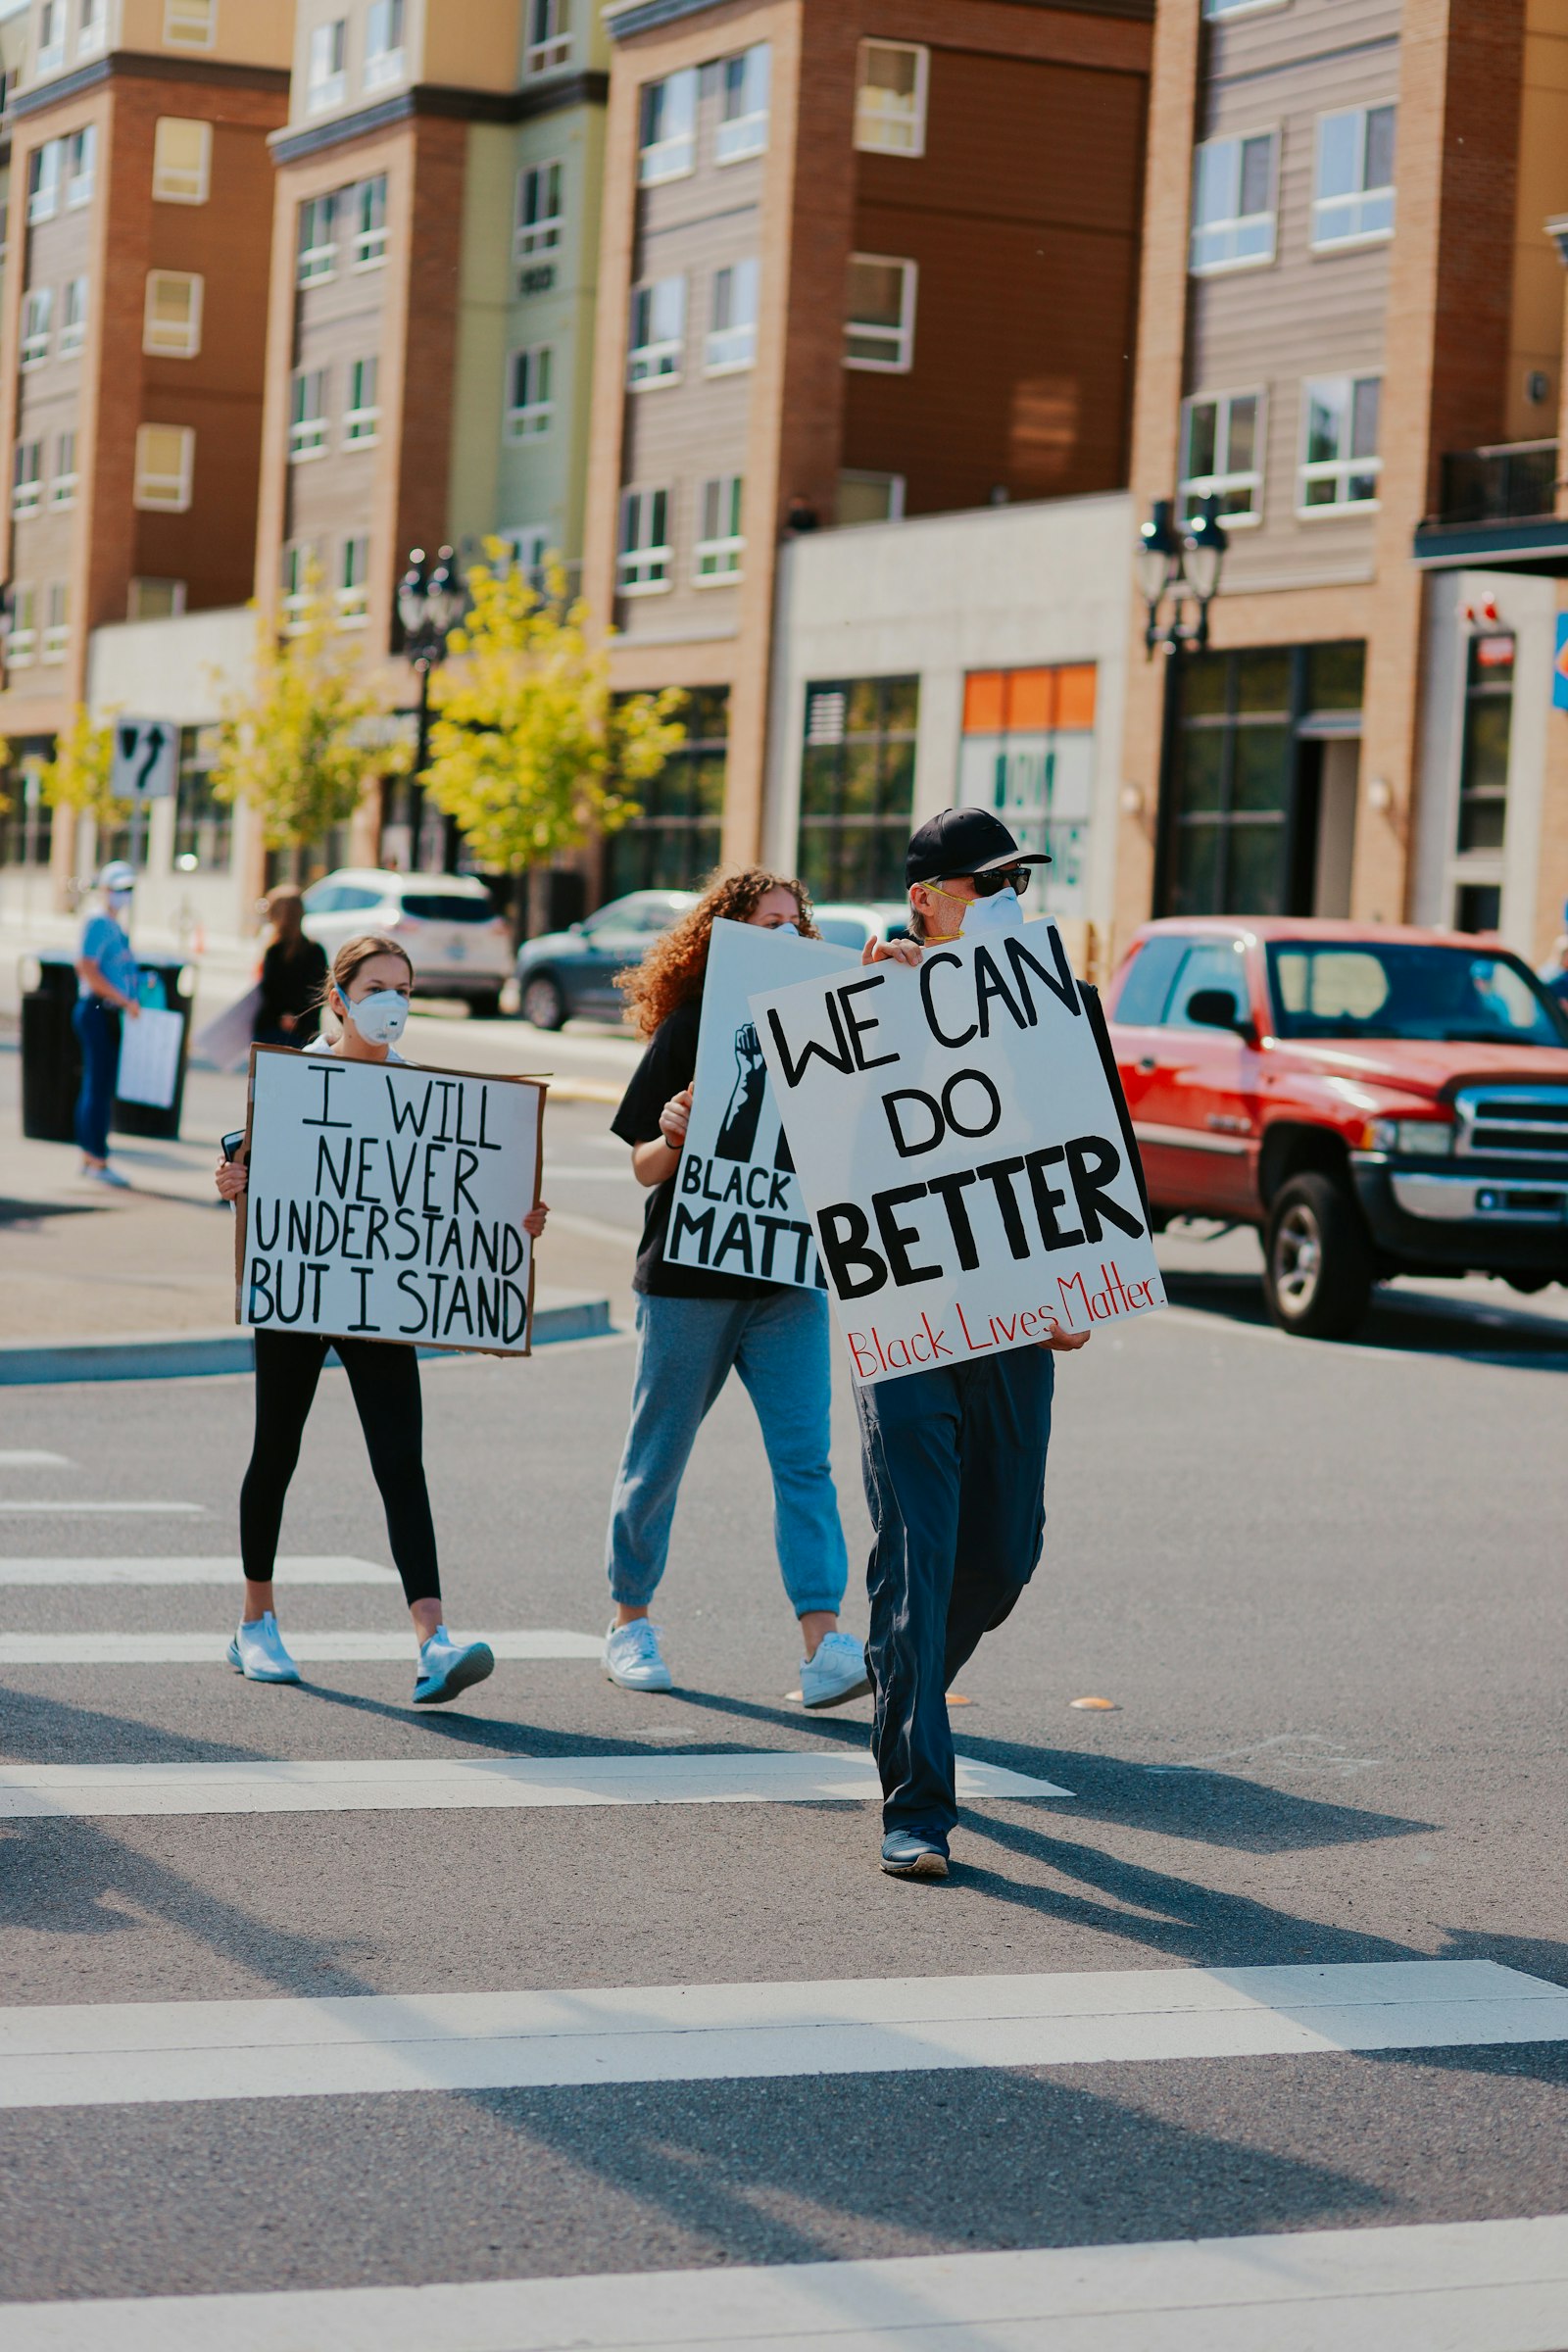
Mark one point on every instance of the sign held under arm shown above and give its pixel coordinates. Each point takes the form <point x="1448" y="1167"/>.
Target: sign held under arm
<point x="960" y="1151"/>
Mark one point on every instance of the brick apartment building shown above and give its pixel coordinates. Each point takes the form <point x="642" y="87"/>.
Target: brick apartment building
<point x="863" y="259"/>
<point x="1351" y="334"/>
<point x="133" y="327"/>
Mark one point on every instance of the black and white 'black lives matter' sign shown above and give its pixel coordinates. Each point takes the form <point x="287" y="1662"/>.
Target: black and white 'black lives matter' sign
<point x="386" y="1202"/>
<point x="961" y="1153"/>
<point x="738" y="1208"/>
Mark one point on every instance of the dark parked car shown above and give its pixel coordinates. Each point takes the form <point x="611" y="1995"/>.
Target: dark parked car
<point x="566" y="975"/>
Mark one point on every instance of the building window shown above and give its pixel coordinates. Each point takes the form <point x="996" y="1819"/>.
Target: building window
<point x="361" y="418"/>
<point x="1233" y="204"/>
<point x="1352" y="201"/>
<point x="298" y="571"/>
<point x="658" y="332"/>
<point x="93" y="30"/>
<point x="667" y="143"/>
<point x="57" y="630"/>
<point x="44" y="180"/>
<point x="742" y="105"/>
<point x="204" y="826"/>
<point x="1028" y="752"/>
<point x="642" y="565"/>
<point x="879" y="325"/>
<point x="353" y="582"/>
<point x="182" y="160"/>
<point x="82" y="165"/>
<point x="327" y="82"/>
<point x="1339" y="460"/>
<point x="732" y="335"/>
<point x="369" y="223"/>
<point x="549" y="42"/>
<point x="675" y="843"/>
<point x="530" y="401"/>
<point x="74" y="318"/>
<point x="155" y="600"/>
<point x="540" y="218"/>
<point x="527" y="545"/>
<point x="719" y="542"/>
<point x="22" y="640"/>
<point x="867" y="498"/>
<point x="858" y="786"/>
<point x="63" y="482"/>
<point x="27" y="822"/>
<point x="171" y="317"/>
<point x="1484" y="761"/>
<point x="166" y="461"/>
<point x="27" y="478"/>
<point x="1237" y="8"/>
<point x="307" y="420"/>
<point x="383" y="43"/>
<point x="890" y="98"/>
<point x="1222" y="455"/>
<point x="37" y="324"/>
<point x="190" y="24"/>
<point x="317" y="250"/>
<point x="51" y="37"/>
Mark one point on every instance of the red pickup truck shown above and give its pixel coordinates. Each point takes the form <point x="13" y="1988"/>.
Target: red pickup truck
<point x="1375" y="1099"/>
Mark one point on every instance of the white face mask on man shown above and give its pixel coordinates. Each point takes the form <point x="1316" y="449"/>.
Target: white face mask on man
<point x="985" y="917"/>
<point x="380" y="1018"/>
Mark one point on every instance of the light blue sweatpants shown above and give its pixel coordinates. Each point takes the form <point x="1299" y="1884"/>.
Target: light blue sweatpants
<point x="778" y="1343"/>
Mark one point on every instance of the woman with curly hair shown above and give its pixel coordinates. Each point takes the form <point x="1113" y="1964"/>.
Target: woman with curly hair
<point x="694" y="1327"/>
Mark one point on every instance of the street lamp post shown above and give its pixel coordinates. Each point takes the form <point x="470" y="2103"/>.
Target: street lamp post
<point x="430" y="601"/>
<point x="1178" y="572"/>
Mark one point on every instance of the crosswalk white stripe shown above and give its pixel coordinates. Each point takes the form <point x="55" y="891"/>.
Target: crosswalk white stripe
<point x="109" y="2053"/>
<point x="1456" y="2287"/>
<point x="31" y="1457"/>
<point x="309" y="1650"/>
<point x="768" y="1777"/>
<point x="90" y="1510"/>
<point x="324" y="1569"/>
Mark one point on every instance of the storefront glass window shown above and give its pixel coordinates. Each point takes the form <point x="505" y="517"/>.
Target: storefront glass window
<point x="675" y="842"/>
<point x="1028" y="752"/>
<point x="858" y="786"/>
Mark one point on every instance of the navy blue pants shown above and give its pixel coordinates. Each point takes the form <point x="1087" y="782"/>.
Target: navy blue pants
<point x="97" y="1025"/>
<point x="955" y="1464"/>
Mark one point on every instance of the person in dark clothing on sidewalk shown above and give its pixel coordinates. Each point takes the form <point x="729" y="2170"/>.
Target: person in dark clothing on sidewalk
<point x="293" y="975"/>
<point x="955" y="1457"/>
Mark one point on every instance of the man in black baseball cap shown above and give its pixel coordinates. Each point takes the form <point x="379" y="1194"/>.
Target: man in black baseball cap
<point x="953" y="1457"/>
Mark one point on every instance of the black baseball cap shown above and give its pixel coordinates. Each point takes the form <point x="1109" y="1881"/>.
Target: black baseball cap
<point x="964" y="841"/>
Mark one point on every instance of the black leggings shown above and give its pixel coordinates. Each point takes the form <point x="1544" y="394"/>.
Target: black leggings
<point x="385" y="1381"/>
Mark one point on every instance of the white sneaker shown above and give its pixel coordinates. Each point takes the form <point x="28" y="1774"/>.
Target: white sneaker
<point x="632" y="1657"/>
<point x="836" y="1672"/>
<point x="109" y="1176"/>
<point x="257" y="1652"/>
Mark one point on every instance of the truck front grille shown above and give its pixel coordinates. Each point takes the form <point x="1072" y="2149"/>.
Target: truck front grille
<point x="1514" y="1122"/>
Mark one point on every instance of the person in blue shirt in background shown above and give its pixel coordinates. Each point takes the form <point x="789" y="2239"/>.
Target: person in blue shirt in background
<point x="108" y="980"/>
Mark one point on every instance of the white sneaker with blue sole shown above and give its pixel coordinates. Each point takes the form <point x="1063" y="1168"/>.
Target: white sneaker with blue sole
<point x="834" y="1672"/>
<point x="257" y="1652"/>
<point x="633" y="1658"/>
<point x="447" y="1667"/>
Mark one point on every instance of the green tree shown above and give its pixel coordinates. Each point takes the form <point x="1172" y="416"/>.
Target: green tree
<point x="529" y="750"/>
<point x="78" y="776"/>
<point x="302" y="744"/>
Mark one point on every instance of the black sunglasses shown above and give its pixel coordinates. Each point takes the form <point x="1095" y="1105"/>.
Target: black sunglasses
<point x="1002" y="877"/>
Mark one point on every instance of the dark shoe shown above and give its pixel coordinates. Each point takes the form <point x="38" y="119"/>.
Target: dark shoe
<point x="906" y="1854"/>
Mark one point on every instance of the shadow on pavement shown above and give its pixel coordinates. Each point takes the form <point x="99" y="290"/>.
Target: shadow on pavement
<point x="1402" y="1321"/>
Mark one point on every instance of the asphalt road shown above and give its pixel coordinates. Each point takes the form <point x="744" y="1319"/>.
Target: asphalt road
<point x="1323" y="1587"/>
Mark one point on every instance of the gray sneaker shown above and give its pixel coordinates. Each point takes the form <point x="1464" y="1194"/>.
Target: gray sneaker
<point x="836" y="1672"/>
<point x="257" y="1652"/>
<point x="633" y="1659"/>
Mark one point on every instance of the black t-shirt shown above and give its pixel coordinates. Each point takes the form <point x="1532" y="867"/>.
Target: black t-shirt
<point x="669" y="1064"/>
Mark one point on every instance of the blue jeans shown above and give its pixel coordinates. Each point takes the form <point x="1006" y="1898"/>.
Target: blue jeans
<point x="778" y="1344"/>
<point x="97" y="1025"/>
<point x="955" y="1463"/>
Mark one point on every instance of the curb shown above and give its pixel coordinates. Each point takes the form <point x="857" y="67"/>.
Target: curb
<point x="196" y="1355"/>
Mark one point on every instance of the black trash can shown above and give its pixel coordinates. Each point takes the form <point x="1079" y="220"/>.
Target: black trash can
<point x="165" y="986"/>
<point x="51" y="1057"/>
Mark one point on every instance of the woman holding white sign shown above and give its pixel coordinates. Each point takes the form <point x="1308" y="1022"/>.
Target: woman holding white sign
<point x="367" y="1000"/>
<point x="694" y="1326"/>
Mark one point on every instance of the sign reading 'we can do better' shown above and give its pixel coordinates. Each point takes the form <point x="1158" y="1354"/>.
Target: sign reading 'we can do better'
<point x="961" y="1153"/>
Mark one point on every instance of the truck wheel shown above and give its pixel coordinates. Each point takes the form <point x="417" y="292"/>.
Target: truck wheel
<point x="486" y="1008"/>
<point x="1317" y="1261"/>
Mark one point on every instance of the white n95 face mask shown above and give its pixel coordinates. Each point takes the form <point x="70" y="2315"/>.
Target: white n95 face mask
<point x="988" y="916"/>
<point x="381" y="1018"/>
<point x="786" y="930"/>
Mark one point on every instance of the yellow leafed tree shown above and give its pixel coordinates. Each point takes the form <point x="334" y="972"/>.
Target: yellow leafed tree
<point x="530" y="752"/>
<point x="78" y="776"/>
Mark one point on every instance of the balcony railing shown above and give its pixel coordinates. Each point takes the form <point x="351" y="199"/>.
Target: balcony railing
<point x="1514" y="481"/>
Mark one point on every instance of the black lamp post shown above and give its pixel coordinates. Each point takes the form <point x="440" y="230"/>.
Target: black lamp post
<point x="1178" y="575"/>
<point x="430" y="605"/>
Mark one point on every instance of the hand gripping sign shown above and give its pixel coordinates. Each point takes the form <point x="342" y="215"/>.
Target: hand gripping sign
<point x="960" y="1151"/>
<point x="737" y="1207"/>
<point x="386" y="1202"/>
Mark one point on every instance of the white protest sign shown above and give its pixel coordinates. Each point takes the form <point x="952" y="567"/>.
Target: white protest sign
<point x="961" y="1153"/>
<point x="149" y="1058"/>
<point x="738" y="1208"/>
<point x="386" y="1202"/>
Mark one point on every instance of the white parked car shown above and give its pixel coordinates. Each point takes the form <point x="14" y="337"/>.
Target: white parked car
<point x="458" y="943"/>
<point x="851" y="923"/>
